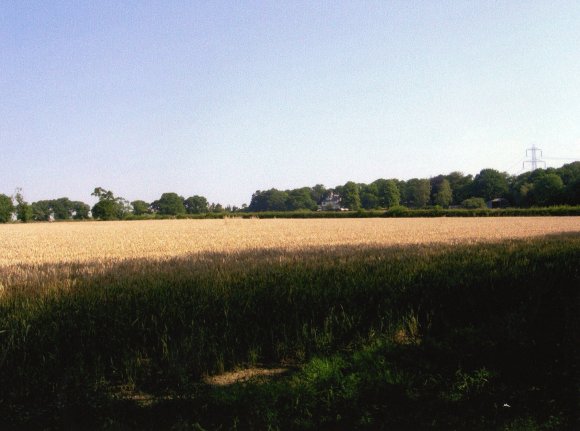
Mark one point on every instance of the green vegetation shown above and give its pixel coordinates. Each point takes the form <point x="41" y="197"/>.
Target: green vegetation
<point x="109" y="207"/>
<point x="396" y="211"/>
<point x="23" y="210"/>
<point x="541" y="187"/>
<point x="196" y="205"/>
<point x="392" y="338"/>
<point x="538" y="188"/>
<point x="59" y="209"/>
<point x="6" y="208"/>
<point x="169" y="204"/>
<point x="140" y="207"/>
<point x="443" y="196"/>
<point x="474" y="203"/>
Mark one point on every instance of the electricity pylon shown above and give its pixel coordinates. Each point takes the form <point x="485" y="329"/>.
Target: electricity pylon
<point x="534" y="160"/>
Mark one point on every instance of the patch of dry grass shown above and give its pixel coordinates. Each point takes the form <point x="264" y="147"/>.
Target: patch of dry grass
<point x="244" y="375"/>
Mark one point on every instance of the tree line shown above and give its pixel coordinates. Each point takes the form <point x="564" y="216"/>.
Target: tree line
<point x="541" y="187"/>
<point x="108" y="207"/>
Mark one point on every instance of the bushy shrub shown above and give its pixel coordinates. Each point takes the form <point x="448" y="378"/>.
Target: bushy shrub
<point x="473" y="203"/>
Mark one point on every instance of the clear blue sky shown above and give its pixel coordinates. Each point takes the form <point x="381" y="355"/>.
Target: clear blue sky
<point x="224" y="98"/>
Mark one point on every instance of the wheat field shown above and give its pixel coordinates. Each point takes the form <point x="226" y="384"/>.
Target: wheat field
<point x="114" y="314"/>
<point x="100" y="242"/>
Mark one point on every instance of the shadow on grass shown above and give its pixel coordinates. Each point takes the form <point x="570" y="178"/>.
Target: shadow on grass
<point x="464" y="337"/>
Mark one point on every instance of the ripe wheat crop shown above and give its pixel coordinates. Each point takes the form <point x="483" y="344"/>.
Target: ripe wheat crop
<point x="99" y="242"/>
<point x="98" y="314"/>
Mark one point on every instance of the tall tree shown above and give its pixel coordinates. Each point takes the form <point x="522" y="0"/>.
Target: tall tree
<point x="318" y="192"/>
<point x="570" y="172"/>
<point x="572" y="192"/>
<point x="548" y="190"/>
<point x="418" y="192"/>
<point x="269" y="200"/>
<point x="435" y="185"/>
<point x="350" y="196"/>
<point x="444" y="195"/>
<point x="109" y="207"/>
<point x="140" y="207"/>
<point x="23" y="209"/>
<point x="169" y="204"/>
<point x="300" y="199"/>
<point x="6" y="208"/>
<point x="216" y="208"/>
<point x="380" y="185"/>
<point x="41" y="210"/>
<point x="62" y="208"/>
<point x="196" y="205"/>
<point x="461" y="186"/>
<point x="369" y="196"/>
<point x="392" y="196"/>
<point x="80" y="210"/>
<point x="490" y="184"/>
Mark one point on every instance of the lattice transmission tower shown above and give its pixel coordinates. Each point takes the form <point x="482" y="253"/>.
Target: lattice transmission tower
<point x="534" y="158"/>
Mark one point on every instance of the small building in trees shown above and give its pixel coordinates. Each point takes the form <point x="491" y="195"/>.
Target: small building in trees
<point x="331" y="202"/>
<point x="498" y="203"/>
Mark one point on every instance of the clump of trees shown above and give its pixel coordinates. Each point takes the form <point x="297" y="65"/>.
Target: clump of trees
<point x="541" y="187"/>
<point x="109" y="207"/>
<point x="290" y="200"/>
<point x="60" y="209"/>
<point x="44" y="210"/>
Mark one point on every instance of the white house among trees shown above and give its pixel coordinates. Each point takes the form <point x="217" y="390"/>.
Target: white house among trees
<point x="331" y="202"/>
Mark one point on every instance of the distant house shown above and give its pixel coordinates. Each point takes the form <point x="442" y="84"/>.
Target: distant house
<point x="331" y="202"/>
<point x="498" y="203"/>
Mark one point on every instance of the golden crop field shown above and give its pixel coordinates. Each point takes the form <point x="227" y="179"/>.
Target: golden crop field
<point x="152" y="313"/>
<point x="94" y="242"/>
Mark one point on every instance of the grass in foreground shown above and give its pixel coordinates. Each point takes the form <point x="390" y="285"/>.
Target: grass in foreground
<point x="392" y="338"/>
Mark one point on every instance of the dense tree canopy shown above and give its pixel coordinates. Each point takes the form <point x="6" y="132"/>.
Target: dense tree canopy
<point x="490" y="184"/>
<point x="350" y="196"/>
<point x="196" y="205"/>
<point x="59" y="209"/>
<point x="300" y="199"/>
<point x="548" y="189"/>
<point x="536" y="188"/>
<point x="140" y="207"/>
<point x="369" y="196"/>
<point x="460" y="186"/>
<point x="6" y="208"/>
<point x="109" y="207"/>
<point x="23" y="209"/>
<point x="418" y="192"/>
<point x="388" y="193"/>
<point x="269" y="200"/>
<point x="443" y="196"/>
<point x="541" y="187"/>
<point x="169" y="204"/>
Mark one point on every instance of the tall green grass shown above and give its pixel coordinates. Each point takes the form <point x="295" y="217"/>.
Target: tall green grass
<point x="408" y="337"/>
